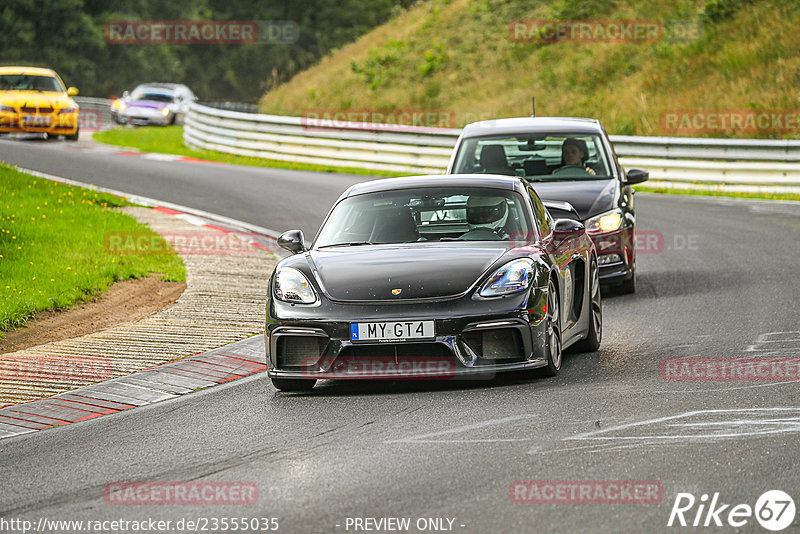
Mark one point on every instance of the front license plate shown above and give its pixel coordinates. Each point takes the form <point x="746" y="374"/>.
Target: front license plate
<point x="37" y="120"/>
<point x="391" y="331"/>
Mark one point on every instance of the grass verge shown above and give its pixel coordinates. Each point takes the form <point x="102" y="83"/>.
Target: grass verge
<point x="713" y="193"/>
<point x="169" y="140"/>
<point x="52" y="246"/>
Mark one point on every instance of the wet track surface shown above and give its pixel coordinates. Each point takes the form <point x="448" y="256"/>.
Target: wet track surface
<point x="718" y="280"/>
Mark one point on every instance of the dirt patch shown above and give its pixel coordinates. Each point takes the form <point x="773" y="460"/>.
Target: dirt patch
<point x="125" y="301"/>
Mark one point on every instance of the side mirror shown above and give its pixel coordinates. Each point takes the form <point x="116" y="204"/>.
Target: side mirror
<point x="566" y="228"/>
<point x="72" y="91"/>
<point x="636" y="176"/>
<point x="292" y="241"/>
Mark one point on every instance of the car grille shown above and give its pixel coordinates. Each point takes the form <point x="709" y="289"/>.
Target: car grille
<point x="397" y="350"/>
<point x="300" y="351"/>
<point x="400" y="360"/>
<point x="32" y="109"/>
<point x="495" y="345"/>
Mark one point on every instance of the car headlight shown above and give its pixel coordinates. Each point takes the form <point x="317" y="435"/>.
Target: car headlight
<point x="605" y="222"/>
<point x="64" y="111"/>
<point x="165" y="111"/>
<point x="514" y="276"/>
<point x="7" y="109"/>
<point x="292" y="286"/>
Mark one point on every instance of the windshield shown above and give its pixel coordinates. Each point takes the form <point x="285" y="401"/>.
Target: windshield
<point x="153" y="97"/>
<point x="426" y="214"/>
<point x="28" y="82"/>
<point x="535" y="157"/>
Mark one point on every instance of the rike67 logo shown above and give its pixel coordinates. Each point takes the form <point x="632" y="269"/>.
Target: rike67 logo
<point x="774" y="510"/>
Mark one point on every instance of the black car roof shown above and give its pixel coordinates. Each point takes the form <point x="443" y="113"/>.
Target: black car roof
<point x="523" y="125"/>
<point x="495" y="181"/>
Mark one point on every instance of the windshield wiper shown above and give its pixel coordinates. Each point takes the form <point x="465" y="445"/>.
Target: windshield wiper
<point x="350" y="244"/>
<point x="452" y="239"/>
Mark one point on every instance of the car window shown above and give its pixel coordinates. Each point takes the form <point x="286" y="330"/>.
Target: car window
<point x="153" y="97"/>
<point x="28" y="82"/>
<point x="537" y="157"/>
<point x="427" y="214"/>
<point x="540" y="213"/>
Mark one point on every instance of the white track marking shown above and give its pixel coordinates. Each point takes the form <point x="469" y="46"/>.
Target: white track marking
<point x="789" y="423"/>
<point x="425" y="438"/>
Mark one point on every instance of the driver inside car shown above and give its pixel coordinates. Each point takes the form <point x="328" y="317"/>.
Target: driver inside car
<point x="574" y="154"/>
<point x="486" y="217"/>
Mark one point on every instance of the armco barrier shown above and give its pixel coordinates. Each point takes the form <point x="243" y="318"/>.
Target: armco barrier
<point x="290" y="139"/>
<point x="96" y="113"/>
<point x="413" y="149"/>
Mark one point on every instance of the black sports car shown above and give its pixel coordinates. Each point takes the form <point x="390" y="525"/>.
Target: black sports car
<point x="432" y="277"/>
<point x="572" y="165"/>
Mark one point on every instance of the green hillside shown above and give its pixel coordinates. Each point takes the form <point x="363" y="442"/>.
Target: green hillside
<point x="458" y="57"/>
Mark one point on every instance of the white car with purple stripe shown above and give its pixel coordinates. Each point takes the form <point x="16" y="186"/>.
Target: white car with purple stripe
<point x="153" y="104"/>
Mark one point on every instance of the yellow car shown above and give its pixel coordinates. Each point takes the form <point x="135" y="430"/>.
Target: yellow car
<point x="35" y="100"/>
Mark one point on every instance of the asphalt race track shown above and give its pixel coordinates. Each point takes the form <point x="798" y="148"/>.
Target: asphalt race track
<point x="718" y="279"/>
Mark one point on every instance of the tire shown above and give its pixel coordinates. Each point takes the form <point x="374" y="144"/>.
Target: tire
<point x="73" y="137"/>
<point x="293" y="384"/>
<point x="595" y="333"/>
<point x="552" y="334"/>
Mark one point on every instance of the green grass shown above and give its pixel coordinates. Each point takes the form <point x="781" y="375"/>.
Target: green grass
<point x="52" y="246"/>
<point x="169" y="140"/>
<point x="712" y="193"/>
<point x="457" y="55"/>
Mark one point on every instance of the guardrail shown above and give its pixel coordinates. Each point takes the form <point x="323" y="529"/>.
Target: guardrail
<point x="414" y="149"/>
<point x="94" y="113"/>
<point x="293" y="139"/>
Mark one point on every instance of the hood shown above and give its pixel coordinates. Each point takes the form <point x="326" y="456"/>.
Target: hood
<point x="372" y="272"/>
<point x="35" y="99"/>
<point x="588" y="197"/>
<point x="149" y="104"/>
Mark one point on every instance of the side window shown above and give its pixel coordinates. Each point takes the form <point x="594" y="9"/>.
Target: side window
<point x="541" y="214"/>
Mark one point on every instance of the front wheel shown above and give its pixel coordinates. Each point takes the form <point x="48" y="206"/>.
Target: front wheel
<point x="293" y="384"/>
<point x="595" y="334"/>
<point x="552" y="334"/>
